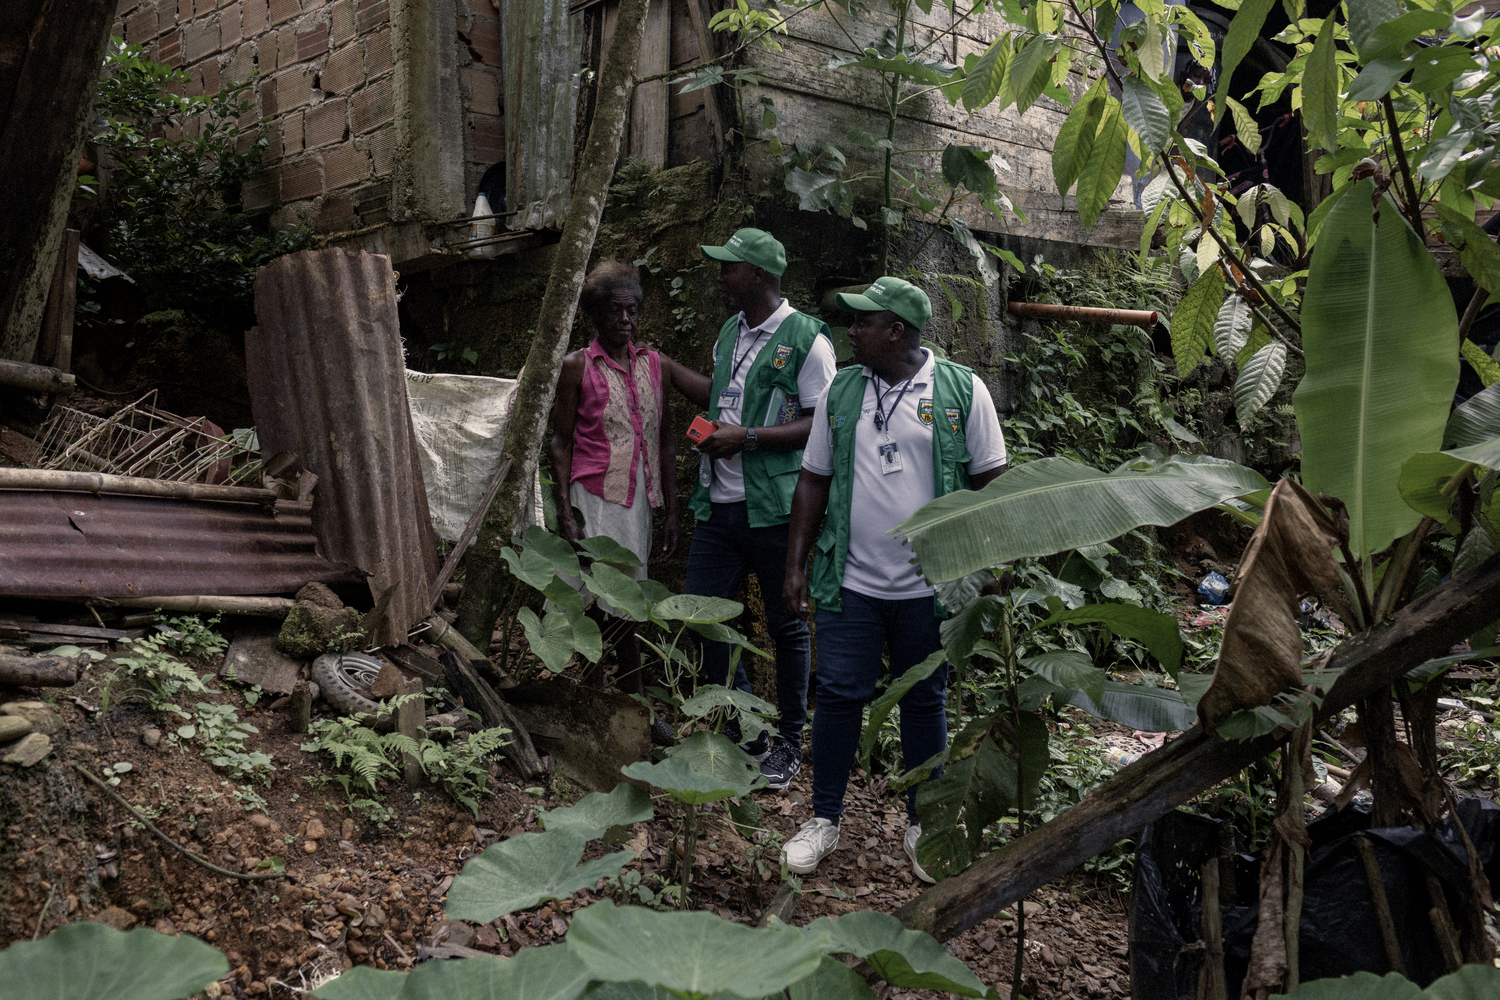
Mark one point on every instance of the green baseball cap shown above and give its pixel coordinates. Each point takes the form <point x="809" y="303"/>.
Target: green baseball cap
<point x="900" y="297"/>
<point x="753" y="246"/>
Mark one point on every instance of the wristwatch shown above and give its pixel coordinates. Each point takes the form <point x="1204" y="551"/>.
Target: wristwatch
<point x="751" y="441"/>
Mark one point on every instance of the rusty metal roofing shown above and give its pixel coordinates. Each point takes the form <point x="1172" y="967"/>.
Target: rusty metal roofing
<point x="328" y="382"/>
<point x="542" y="46"/>
<point x="65" y="544"/>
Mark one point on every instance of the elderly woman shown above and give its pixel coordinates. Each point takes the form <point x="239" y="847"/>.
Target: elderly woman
<point x="614" y="456"/>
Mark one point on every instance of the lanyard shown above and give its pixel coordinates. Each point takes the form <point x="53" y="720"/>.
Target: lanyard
<point x="736" y="370"/>
<point x="883" y="419"/>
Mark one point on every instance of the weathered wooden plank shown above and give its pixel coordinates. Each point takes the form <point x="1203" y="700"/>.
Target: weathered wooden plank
<point x="1195" y="762"/>
<point x="648" y="111"/>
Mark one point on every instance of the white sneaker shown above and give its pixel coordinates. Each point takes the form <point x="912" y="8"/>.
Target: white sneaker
<point x="812" y="843"/>
<point x="913" y="834"/>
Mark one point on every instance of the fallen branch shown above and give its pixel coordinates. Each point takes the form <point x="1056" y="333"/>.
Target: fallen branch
<point x="36" y="378"/>
<point x="1382" y="905"/>
<point x="195" y="859"/>
<point x="262" y="607"/>
<point x="38" y="671"/>
<point x="139" y="486"/>
<point x="1194" y="762"/>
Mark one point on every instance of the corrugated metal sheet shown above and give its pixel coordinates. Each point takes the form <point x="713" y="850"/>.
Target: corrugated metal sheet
<point x="62" y="544"/>
<point x="328" y="381"/>
<point x="543" y="47"/>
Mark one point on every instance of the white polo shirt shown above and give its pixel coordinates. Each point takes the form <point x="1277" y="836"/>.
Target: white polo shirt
<point x="817" y="371"/>
<point x="880" y="565"/>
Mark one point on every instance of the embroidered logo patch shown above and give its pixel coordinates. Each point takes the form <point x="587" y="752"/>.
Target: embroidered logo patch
<point x="783" y="355"/>
<point x="835" y="421"/>
<point x="924" y="410"/>
<point x="953" y="415"/>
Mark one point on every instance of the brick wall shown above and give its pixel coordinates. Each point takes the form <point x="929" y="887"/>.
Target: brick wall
<point x="483" y="89"/>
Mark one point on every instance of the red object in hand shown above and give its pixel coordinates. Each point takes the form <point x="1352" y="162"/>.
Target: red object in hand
<point x="700" y="429"/>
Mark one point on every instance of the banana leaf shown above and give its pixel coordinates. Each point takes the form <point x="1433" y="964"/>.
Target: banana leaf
<point x="1381" y="337"/>
<point x="1055" y="504"/>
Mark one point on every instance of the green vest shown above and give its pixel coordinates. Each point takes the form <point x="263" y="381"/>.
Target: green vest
<point x="952" y="398"/>
<point x="770" y="398"/>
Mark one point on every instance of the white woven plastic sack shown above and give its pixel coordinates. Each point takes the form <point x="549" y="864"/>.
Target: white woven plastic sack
<point x="460" y="427"/>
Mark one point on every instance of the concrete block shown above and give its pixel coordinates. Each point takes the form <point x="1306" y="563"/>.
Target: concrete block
<point x="312" y="43"/>
<point x="486" y="140"/>
<point x="254" y="659"/>
<point x="230" y="26"/>
<point x="284" y="10"/>
<point x="335" y="215"/>
<point x="344" y="70"/>
<point x="286" y="48"/>
<point x="294" y="87"/>
<point x="259" y="191"/>
<point x="254" y="17"/>
<point x="301" y="180"/>
<point x="326" y="123"/>
<point x="378" y="54"/>
<point x="200" y="39"/>
<point x="372" y="16"/>
<point x="484" y="40"/>
<point x="382" y="147"/>
<point x="202" y="7"/>
<point x="270" y="100"/>
<point x="241" y="67"/>
<point x="124" y="7"/>
<point x="372" y="204"/>
<point x="292" y="140"/>
<point x="483" y="85"/>
<point x="208" y="74"/>
<point x="169" y="49"/>
<point x="345" y="165"/>
<point x="140" y="27"/>
<point x="184" y="11"/>
<point x="166" y="16"/>
<point x="374" y="106"/>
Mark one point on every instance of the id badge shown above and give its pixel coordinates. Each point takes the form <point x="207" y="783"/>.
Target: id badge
<point x="890" y="457"/>
<point x="729" y="399"/>
<point x="705" y="470"/>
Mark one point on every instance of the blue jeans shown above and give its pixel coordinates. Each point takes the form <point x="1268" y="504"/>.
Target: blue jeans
<point x="849" y="646"/>
<point x="725" y="549"/>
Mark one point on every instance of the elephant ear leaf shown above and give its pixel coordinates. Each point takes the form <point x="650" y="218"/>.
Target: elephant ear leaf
<point x="89" y="961"/>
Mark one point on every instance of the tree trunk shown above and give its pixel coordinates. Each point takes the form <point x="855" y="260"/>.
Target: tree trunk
<point x="50" y="56"/>
<point x="1195" y="762"/>
<point x="38" y="671"/>
<point x="531" y="408"/>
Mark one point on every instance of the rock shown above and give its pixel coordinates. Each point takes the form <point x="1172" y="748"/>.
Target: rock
<point x="213" y="990"/>
<point x="165" y="926"/>
<point x="1032" y="909"/>
<point x="319" y="594"/>
<point x="262" y="822"/>
<point x="356" y="949"/>
<point x="254" y="659"/>
<point x="375" y="916"/>
<point x="453" y="932"/>
<point x="13" y="727"/>
<point x="315" y="830"/>
<point x="30" y="750"/>
<point x="151" y="736"/>
<point x="120" y="920"/>
<point x="348" y="829"/>
<point x="41" y="716"/>
<point x="386" y="682"/>
<point x="310" y="630"/>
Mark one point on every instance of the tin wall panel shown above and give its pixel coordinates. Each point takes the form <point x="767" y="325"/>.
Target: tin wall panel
<point x="63" y="544"/>
<point x="328" y="382"/>
<point x="542" y="51"/>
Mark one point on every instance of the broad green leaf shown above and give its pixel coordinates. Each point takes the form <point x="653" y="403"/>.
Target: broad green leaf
<point x="554" y="548"/>
<point x="833" y="980"/>
<point x="1154" y="630"/>
<point x="1144" y="112"/>
<point x="524" y="870"/>
<point x="1470" y="982"/>
<point x="551" y="972"/>
<point x="695" y="955"/>
<point x="816" y="190"/>
<point x="719" y="632"/>
<point x="981" y="782"/>
<point x="1245" y="127"/>
<point x="89" y="961"/>
<point x="1193" y="322"/>
<point x="1476" y="249"/>
<point x="1244" y="29"/>
<point x="753" y="711"/>
<point x="1373" y="395"/>
<point x="1476" y="420"/>
<point x="596" y="812"/>
<point x="1052" y="594"/>
<point x="586" y="637"/>
<point x="1053" y="504"/>
<point x="1232" y="326"/>
<point x="1259" y="380"/>
<point x="904" y="958"/>
<point x="1422" y="479"/>
<point x="1359" y="986"/>
<point x="1075" y="140"/>
<point x="564" y="594"/>
<point x="968" y="166"/>
<point x="717" y="756"/>
<point x="697" y="608"/>
<point x="1101" y="172"/>
<point x="880" y="708"/>
<point x="1367" y="15"/>
<point x="606" y="549"/>
<point x="1068" y="670"/>
<point x="1482" y="363"/>
<point x="1390" y="36"/>
<point x="1029" y="72"/>
<point x="1320" y="90"/>
<point x="550" y="638"/>
<point x="618" y="591"/>
<point x="686" y="784"/>
<point x="1248" y="723"/>
<point x="530" y="566"/>
<point x="1377" y="78"/>
<point x="1434" y="67"/>
<point x="970" y="623"/>
<point x="1476" y="547"/>
<point x="987" y="75"/>
<point x="1151" y="710"/>
<point x="961" y="232"/>
<point x="1485" y="453"/>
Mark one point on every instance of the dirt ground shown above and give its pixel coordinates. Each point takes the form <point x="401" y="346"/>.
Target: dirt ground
<point x="366" y="888"/>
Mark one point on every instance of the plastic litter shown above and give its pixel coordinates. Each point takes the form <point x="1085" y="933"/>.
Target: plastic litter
<point x="1213" y="589"/>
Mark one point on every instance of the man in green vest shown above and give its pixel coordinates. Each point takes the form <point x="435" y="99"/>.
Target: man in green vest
<point x="892" y="433"/>
<point x="771" y="363"/>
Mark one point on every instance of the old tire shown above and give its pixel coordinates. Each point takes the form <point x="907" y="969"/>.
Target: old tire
<point x="342" y="679"/>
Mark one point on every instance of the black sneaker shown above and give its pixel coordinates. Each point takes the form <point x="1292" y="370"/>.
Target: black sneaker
<point x="781" y="765"/>
<point x="662" y="734"/>
<point x="758" y="747"/>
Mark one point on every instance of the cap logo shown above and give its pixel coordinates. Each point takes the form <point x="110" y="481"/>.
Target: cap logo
<point x="876" y="289"/>
<point x="734" y="241"/>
